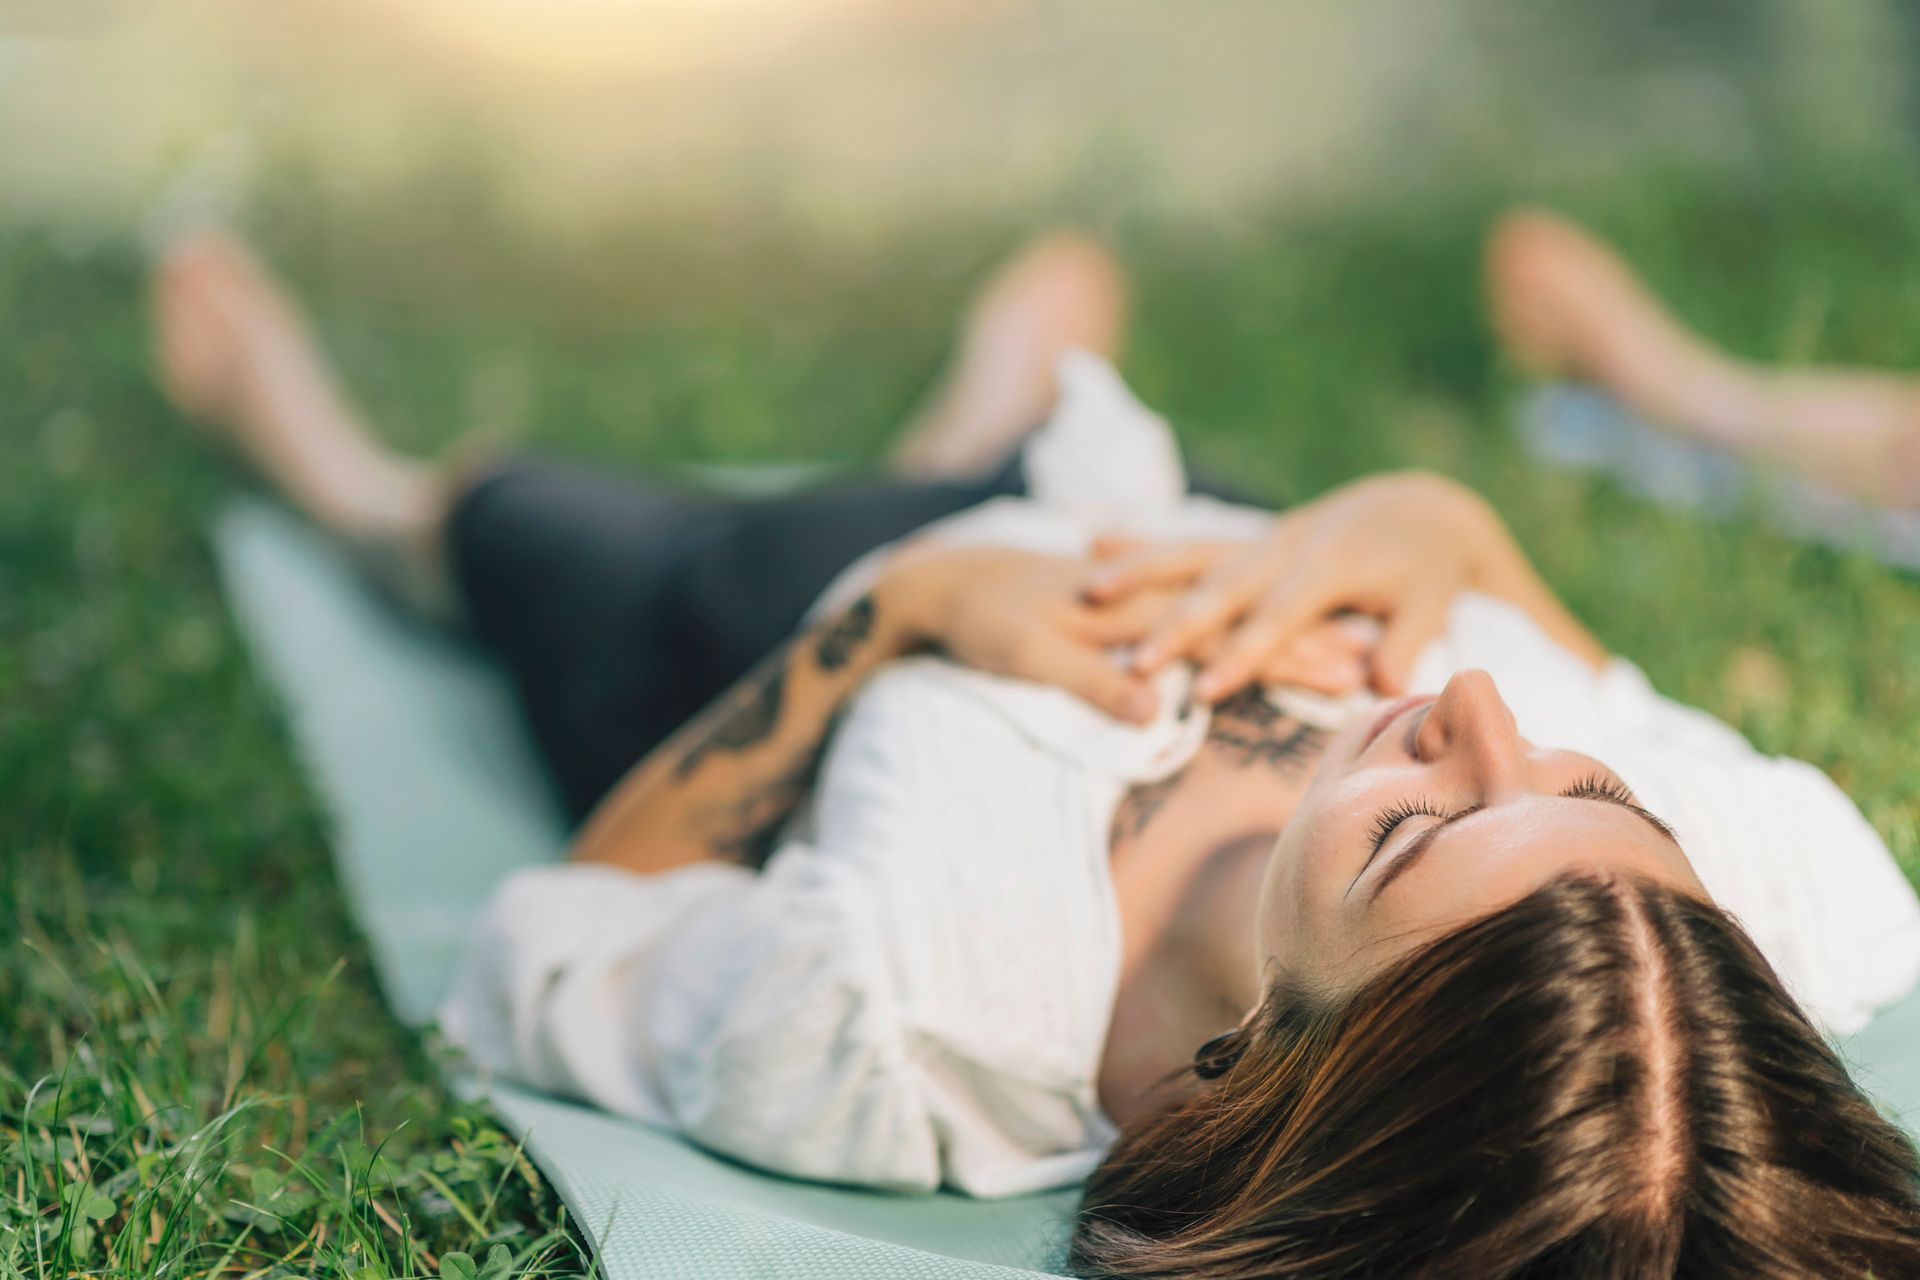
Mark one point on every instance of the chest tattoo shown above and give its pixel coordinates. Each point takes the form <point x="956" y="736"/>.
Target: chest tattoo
<point x="1247" y="732"/>
<point x="1255" y="732"/>
<point x="1139" y="805"/>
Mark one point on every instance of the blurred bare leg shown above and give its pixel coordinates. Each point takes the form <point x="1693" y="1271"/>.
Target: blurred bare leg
<point x="233" y="353"/>
<point x="1564" y="304"/>
<point x="1062" y="290"/>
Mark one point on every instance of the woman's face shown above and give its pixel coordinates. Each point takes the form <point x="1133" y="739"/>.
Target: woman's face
<point x="1430" y="815"/>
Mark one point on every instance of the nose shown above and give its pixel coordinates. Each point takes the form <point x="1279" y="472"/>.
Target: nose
<point x="1470" y="724"/>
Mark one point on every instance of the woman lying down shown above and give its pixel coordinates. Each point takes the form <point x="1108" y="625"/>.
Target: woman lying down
<point x="1019" y="851"/>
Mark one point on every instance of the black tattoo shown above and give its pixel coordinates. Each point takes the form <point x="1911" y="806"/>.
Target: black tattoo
<point x="746" y="718"/>
<point x="1250" y="704"/>
<point x="1284" y="752"/>
<point x="1251" y="731"/>
<point x="847" y="633"/>
<point x="745" y="830"/>
<point x="1138" y="807"/>
<point x="1254" y="731"/>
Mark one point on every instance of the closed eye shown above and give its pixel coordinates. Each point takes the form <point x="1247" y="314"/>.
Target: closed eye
<point x="1595" y="786"/>
<point x="1389" y="821"/>
<point x="1599" y="786"/>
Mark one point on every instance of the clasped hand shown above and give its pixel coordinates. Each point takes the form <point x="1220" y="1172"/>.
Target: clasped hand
<point x="1394" y="548"/>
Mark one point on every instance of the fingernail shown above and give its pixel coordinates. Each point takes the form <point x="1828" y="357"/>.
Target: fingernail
<point x="1145" y="657"/>
<point x="1205" y="687"/>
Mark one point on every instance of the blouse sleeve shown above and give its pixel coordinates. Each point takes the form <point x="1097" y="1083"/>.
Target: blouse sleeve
<point x="914" y="995"/>
<point x="745" y="1011"/>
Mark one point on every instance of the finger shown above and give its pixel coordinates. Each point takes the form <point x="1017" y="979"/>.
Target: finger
<point x="1248" y="648"/>
<point x="1407" y="632"/>
<point x="1347" y="633"/>
<point x="1056" y="658"/>
<point x="1335" y="675"/>
<point x="1274" y="628"/>
<point x="1363" y="629"/>
<point x="1325" y="654"/>
<point x="1334" y="637"/>
<point x="1212" y="606"/>
<point x="1111" y="546"/>
<point x="1122" y="622"/>
<point x="1157" y="566"/>
<point x="1207" y="611"/>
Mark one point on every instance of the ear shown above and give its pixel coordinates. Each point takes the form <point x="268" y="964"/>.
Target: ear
<point x="1216" y="1057"/>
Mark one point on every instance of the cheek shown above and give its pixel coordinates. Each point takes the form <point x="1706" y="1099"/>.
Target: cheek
<point x="1288" y="916"/>
<point x="1307" y="878"/>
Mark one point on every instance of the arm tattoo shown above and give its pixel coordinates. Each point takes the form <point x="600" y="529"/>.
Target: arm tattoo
<point x="1254" y="731"/>
<point x="745" y="830"/>
<point x="839" y="640"/>
<point x="744" y="827"/>
<point x="745" y="720"/>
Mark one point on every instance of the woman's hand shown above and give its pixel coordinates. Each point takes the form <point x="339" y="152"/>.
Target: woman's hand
<point x="1396" y="547"/>
<point x="1019" y="613"/>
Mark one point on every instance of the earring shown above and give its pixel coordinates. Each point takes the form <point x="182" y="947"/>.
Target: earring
<point x="1217" y="1056"/>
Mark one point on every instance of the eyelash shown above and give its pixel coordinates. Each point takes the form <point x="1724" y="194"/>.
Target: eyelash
<point x="1383" y="826"/>
<point x="1595" y="786"/>
<point x="1598" y="786"/>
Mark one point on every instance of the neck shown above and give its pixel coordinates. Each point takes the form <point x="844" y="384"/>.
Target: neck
<point x="1189" y="971"/>
<point x="1245" y="781"/>
<point x="1211" y="940"/>
<point x="1189" y="854"/>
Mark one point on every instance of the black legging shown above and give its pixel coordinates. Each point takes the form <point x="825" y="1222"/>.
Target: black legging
<point x="621" y="606"/>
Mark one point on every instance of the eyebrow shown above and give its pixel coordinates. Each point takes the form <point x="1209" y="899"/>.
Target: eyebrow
<point x="1424" y="841"/>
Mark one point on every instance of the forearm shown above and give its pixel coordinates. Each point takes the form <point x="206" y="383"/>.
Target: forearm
<point x="721" y="788"/>
<point x="1503" y="571"/>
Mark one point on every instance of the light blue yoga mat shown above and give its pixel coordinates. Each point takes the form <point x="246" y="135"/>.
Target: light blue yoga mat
<point x="415" y="749"/>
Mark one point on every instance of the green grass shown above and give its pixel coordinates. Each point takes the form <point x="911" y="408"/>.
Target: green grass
<point x="198" y="1075"/>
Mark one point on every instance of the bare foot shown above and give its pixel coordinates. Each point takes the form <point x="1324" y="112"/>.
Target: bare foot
<point x="1566" y="305"/>
<point x="1061" y="291"/>
<point x="1563" y="304"/>
<point x="231" y="351"/>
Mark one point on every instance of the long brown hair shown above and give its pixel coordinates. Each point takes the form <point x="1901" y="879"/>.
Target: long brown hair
<point x="1605" y="1079"/>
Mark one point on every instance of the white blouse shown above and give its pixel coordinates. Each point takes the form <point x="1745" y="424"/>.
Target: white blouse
<point x="916" y="990"/>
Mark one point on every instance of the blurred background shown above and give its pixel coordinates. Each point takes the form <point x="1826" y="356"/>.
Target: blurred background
<point x="575" y="161"/>
<point x="835" y="118"/>
<point x="694" y="230"/>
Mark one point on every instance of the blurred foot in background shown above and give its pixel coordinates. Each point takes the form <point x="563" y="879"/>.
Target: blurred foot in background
<point x="233" y="353"/>
<point x="1061" y="291"/>
<point x="1565" y="305"/>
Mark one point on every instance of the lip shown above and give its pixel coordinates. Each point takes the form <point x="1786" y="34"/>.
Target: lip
<point x="1394" y="711"/>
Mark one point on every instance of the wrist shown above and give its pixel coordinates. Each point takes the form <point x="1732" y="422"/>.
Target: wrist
<point x="1498" y="568"/>
<point x="907" y="599"/>
<point x="1489" y="551"/>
